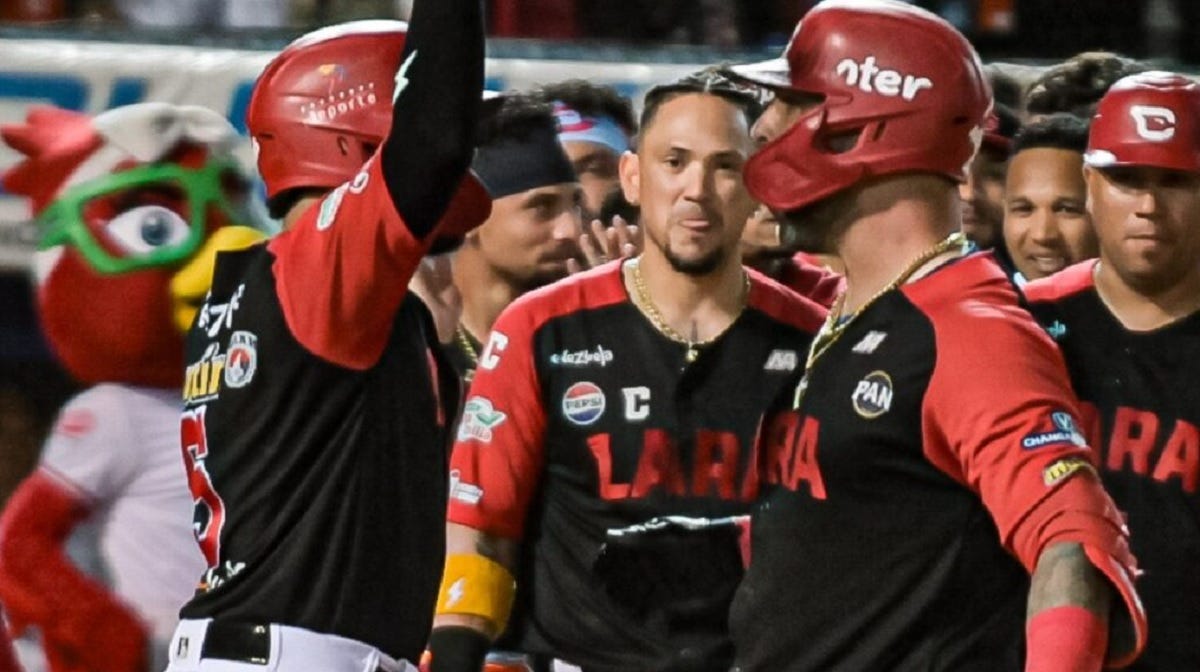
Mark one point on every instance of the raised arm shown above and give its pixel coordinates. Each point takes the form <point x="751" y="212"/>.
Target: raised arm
<point x="342" y="268"/>
<point x="438" y="88"/>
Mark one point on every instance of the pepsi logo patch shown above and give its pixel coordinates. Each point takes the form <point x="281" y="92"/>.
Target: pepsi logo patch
<point x="241" y="360"/>
<point x="583" y="403"/>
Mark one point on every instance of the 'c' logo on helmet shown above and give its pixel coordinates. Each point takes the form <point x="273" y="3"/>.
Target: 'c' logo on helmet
<point x="1154" y="123"/>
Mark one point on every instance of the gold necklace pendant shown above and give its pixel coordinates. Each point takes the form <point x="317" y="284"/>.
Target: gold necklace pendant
<point x="801" y="388"/>
<point x="464" y="342"/>
<point x="692" y="348"/>
<point x="835" y="325"/>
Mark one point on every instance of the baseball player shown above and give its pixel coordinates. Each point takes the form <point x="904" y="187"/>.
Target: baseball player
<point x="911" y="485"/>
<point x="595" y="124"/>
<point x="534" y="229"/>
<point x="612" y="398"/>
<point x="313" y="434"/>
<point x="133" y="205"/>
<point x="1046" y="225"/>
<point x="1129" y="327"/>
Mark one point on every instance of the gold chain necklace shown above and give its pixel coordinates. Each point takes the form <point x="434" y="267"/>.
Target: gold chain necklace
<point x="835" y="326"/>
<point x="660" y="323"/>
<point x="464" y="342"/>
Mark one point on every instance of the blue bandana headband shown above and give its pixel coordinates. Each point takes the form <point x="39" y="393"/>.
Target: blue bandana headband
<point x="574" y="127"/>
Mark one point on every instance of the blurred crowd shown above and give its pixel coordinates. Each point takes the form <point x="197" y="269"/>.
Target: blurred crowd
<point x="1030" y="29"/>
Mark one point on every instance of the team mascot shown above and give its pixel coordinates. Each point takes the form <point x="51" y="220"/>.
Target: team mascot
<point x="132" y="206"/>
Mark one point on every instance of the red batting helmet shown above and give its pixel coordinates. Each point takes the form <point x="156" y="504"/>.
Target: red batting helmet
<point x="902" y="91"/>
<point x="322" y="106"/>
<point x="1147" y="119"/>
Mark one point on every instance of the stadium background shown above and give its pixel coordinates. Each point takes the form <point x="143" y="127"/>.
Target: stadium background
<point x="82" y="55"/>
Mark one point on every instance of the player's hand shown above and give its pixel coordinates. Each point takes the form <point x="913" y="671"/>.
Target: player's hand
<point x="601" y="244"/>
<point x="433" y="283"/>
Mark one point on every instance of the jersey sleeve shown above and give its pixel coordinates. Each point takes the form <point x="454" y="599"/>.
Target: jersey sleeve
<point x="91" y="450"/>
<point x="342" y="269"/>
<point x="498" y="454"/>
<point x="1000" y="417"/>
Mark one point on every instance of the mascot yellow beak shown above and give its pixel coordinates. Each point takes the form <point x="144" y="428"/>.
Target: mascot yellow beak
<point x="192" y="282"/>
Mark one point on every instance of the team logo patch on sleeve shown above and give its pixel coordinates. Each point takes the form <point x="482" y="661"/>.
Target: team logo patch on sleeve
<point x="466" y="493"/>
<point x="330" y="206"/>
<point x="1060" y="470"/>
<point x="242" y="359"/>
<point x="1065" y="432"/>
<point x="480" y="418"/>
<point x="583" y="403"/>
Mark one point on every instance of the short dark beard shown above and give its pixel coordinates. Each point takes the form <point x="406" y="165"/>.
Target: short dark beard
<point x="538" y="280"/>
<point x="816" y="228"/>
<point x="705" y="265"/>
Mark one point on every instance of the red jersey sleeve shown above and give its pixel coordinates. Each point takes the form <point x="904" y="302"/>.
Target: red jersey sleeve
<point x="999" y="415"/>
<point x="342" y="269"/>
<point x="498" y="455"/>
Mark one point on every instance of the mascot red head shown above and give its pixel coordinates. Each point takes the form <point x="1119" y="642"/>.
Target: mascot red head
<point x="132" y="206"/>
<point x="126" y="201"/>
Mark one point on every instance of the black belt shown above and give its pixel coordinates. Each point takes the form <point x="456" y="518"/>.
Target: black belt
<point x="239" y="642"/>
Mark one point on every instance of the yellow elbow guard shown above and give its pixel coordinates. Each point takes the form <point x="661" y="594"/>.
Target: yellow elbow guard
<point x="477" y="586"/>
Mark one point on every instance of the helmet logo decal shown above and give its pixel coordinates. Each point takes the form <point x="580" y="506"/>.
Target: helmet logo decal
<point x="1154" y="123"/>
<point x="336" y="74"/>
<point x="338" y="103"/>
<point x="870" y="78"/>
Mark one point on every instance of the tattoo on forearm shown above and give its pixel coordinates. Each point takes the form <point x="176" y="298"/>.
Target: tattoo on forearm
<point x="1064" y="576"/>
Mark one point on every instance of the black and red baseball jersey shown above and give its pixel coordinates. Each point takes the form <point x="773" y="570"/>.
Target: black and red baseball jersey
<point x="1141" y="409"/>
<point x="583" y="417"/>
<point x="892" y="495"/>
<point x="317" y="402"/>
<point x="313" y="435"/>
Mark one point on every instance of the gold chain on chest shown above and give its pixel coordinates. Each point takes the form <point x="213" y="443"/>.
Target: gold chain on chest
<point x="835" y="325"/>
<point x="464" y="342"/>
<point x="660" y="323"/>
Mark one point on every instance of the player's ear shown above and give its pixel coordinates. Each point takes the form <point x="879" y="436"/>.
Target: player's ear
<point x="631" y="178"/>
